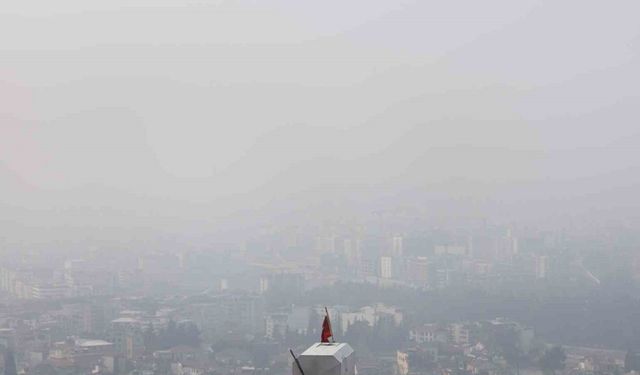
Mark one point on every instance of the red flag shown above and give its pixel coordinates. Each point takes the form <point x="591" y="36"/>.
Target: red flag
<point x="326" y="330"/>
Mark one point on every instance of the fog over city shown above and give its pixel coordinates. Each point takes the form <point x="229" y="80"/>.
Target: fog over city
<point x="212" y="174"/>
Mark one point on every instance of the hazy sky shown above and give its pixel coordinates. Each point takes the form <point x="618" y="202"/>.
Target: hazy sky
<point x="110" y="103"/>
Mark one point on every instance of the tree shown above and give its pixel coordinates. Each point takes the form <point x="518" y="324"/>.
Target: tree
<point x="315" y="322"/>
<point x="175" y="334"/>
<point x="632" y="361"/>
<point x="150" y="338"/>
<point x="386" y="335"/>
<point x="9" y="363"/>
<point x="44" y="369"/>
<point x="553" y="360"/>
<point x="359" y="335"/>
<point x="508" y="345"/>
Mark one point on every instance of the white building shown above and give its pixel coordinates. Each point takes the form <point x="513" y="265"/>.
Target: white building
<point x="370" y="315"/>
<point x="450" y="250"/>
<point x="542" y="266"/>
<point x="459" y="333"/>
<point x="42" y="291"/>
<point x="397" y="248"/>
<point x="276" y="326"/>
<point x="326" y="359"/>
<point x="386" y="267"/>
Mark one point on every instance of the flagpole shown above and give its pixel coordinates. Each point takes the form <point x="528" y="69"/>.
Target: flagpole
<point x="297" y="362"/>
<point x="330" y="328"/>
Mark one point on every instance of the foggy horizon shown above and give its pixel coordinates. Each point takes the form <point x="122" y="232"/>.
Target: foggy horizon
<point x="242" y="106"/>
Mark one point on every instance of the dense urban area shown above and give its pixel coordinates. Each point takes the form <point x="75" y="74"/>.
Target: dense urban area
<point x="473" y="299"/>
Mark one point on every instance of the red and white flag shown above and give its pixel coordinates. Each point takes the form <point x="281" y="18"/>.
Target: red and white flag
<point x="326" y="328"/>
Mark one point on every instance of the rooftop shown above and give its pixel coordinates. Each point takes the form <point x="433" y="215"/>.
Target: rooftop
<point x="338" y="350"/>
<point x="92" y="343"/>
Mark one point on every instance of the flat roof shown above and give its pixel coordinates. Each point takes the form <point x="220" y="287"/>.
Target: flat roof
<point x="328" y="349"/>
<point x="125" y="320"/>
<point x="92" y="343"/>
